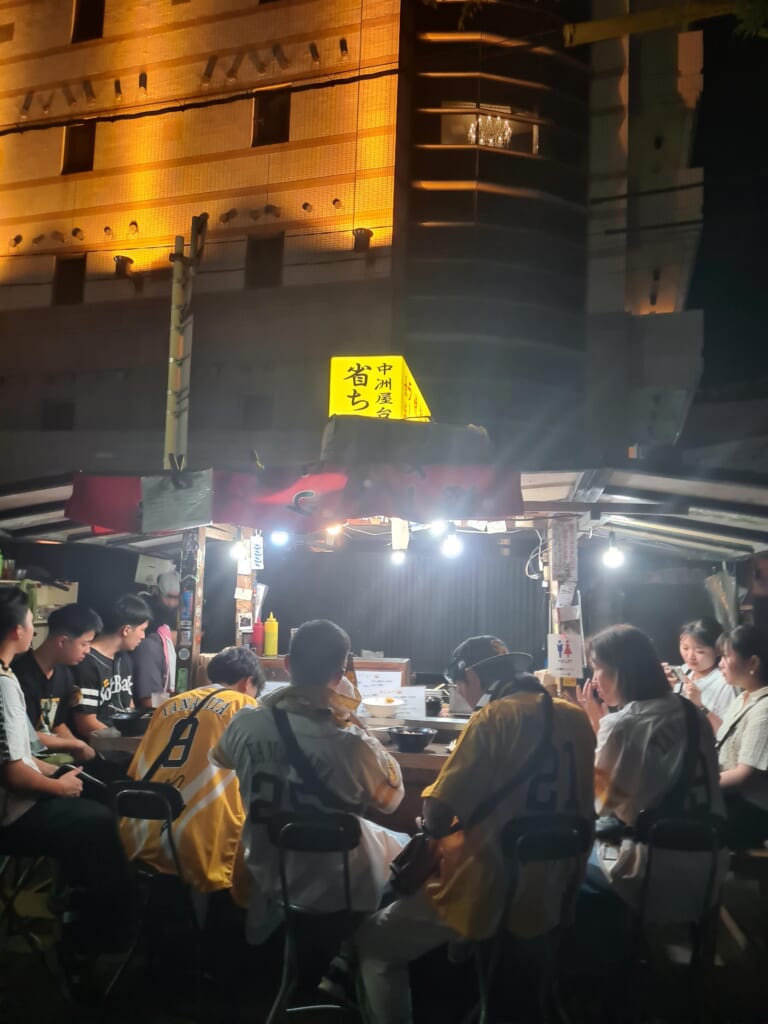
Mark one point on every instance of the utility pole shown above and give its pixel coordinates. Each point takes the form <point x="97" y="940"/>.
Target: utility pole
<point x="180" y="345"/>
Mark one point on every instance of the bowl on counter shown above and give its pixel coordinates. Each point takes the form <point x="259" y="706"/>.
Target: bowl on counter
<point x="131" y="723"/>
<point x="382" y="707"/>
<point x="411" y="741"/>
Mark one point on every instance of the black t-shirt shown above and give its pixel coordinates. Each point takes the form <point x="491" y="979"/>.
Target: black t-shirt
<point x="48" y="700"/>
<point x="106" y="685"/>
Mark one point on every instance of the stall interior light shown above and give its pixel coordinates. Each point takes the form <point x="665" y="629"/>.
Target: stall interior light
<point x="613" y="557"/>
<point x="452" y="545"/>
<point x="335" y="530"/>
<point x="398" y="558"/>
<point x="438" y="528"/>
<point x="238" y="550"/>
<point x="279" y="538"/>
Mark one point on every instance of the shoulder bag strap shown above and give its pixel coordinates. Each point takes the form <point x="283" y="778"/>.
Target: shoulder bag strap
<point x="303" y="766"/>
<point x="529" y="768"/>
<point x="732" y="727"/>
<point x="682" y="786"/>
<point x="178" y="730"/>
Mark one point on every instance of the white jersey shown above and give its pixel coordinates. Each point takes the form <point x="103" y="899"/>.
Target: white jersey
<point x="353" y="765"/>
<point x="716" y="694"/>
<point x="640" y="753"/>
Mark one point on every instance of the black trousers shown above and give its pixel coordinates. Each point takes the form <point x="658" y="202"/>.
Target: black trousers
<point x="747" y="823"/>
<point x="81" y="836"/>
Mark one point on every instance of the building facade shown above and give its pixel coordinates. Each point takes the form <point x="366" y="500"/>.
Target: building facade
<point x="379" y="178"/>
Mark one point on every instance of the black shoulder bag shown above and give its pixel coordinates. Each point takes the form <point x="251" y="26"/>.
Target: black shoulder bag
<point x="303" y="767"/>
<point x="179" y="732"/>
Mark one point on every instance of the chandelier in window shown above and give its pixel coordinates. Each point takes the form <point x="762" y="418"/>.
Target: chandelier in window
<point x="490" y="131"/>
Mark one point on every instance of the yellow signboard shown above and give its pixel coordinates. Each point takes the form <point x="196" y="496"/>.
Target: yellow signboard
<point x="378" y="386"/>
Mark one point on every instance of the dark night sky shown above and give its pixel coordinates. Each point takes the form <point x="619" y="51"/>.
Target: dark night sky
<point x="729" y="280"/>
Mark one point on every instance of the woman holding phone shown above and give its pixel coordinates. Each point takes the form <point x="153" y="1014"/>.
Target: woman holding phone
<point x="699" y="677"/>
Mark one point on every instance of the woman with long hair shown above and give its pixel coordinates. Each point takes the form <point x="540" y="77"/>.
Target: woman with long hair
<point x="641" y="752"/>
<point x="702" y="681"/>
<point x="743" y="737"/>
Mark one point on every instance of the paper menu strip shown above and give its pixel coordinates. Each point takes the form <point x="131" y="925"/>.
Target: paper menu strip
<point x="415" y="698"/>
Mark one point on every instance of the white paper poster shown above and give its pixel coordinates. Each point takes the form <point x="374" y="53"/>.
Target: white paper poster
<point x="565" y="654"/>
<point x="378" y="684"/>
<point x="415" y="698"/>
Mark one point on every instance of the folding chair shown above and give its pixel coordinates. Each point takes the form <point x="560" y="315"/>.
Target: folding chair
<point x="15" y="872"/>
<point x="327" y="833"/>
<point x="555" y="840"/>
<point x="153" y="801"/>
<point x="694" y="833"/>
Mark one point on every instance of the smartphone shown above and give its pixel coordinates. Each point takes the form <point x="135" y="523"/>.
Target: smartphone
<point x="82" y="775"/>
<point x="680" y="676"/>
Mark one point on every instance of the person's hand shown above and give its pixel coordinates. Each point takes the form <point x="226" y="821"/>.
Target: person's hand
<point x="70" y="784"/>
<point x="588" y="698"/>
<point x="81" y="751"/>
<point x="671" y="677"/>
<point x="693" y="693"/>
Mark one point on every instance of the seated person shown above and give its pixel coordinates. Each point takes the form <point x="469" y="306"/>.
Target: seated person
<point x="641" y="750"/>
<point x="705" y="685"/>
<point x="47" y="683"/>
<point x="350" y="767"/>
<point x="42" y="816"/>
<point x="176" y="749"/>
<point x="522" y="755"/>
<point x="105" y="676"/>
<point x="154" y="660"/>
<point x="742" y="740"/>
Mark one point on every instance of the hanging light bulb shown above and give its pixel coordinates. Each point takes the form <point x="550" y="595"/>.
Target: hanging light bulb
<point x="279" y="538"/>
<point x="613" y="557"/>
<point x="398" y="558"/>
<point x="238" y="550"/>
<point x="335" y="530"/>
<point x="452" y="545"/>
<point x="438" y="528"/>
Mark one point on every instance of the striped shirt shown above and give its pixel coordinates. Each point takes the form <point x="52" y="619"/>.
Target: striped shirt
<point x="747" y="743"/>
<point x="106" y="684"/>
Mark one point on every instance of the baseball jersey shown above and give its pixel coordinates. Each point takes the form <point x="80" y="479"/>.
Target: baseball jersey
<point x="492" y="752"/>
<point x="352" y="764"/>
<point x="640" y="755"/>
<point x="744" y="735"/>
<point x="207" y="832"/>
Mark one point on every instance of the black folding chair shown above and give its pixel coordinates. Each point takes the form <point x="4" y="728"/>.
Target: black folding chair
<point x="15" y="873"/>
<point x="693" y="833"/>
<point x="556" y="840"/>
<point x="153" y="801"/>
<point x="326" y="833"/>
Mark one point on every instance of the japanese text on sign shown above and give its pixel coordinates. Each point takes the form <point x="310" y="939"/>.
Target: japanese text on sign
<point x="377" y="386"/>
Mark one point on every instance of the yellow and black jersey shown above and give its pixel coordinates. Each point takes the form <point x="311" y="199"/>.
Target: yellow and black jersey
<point x="207" y="832"/>
<point x="493" y="751"/>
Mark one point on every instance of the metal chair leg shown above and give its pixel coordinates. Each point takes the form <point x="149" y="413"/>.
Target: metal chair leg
<point x="287" y="980"/>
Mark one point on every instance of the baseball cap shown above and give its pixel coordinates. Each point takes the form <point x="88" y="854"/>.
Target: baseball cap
<point x="486" y="655"/>
<point x="169" y="584"/>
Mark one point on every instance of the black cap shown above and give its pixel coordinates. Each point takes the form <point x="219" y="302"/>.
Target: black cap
<point x="488" y="656"/>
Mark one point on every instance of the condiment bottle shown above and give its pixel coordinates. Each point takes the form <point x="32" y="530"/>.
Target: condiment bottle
<point x="270" y="636"/>
<point x="257" y="637"/>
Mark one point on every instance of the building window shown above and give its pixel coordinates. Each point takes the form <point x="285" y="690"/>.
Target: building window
<point x="489" y="126"/>
<point x="69" y="280"/>
<point x="264" y="261"/>
<point x="271" y="117"/>
<point x="257" y="412"/>
<point x="58" y="415"/>
<point x="79" y="146"/>
<point x="89" y="20"/>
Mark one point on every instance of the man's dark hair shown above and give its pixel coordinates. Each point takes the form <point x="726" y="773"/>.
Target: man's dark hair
<point x="233" y="664"/>
<point x="629" y="653"/>
<point x="128" y="610"/>
<point x="14" y="605"/>
<point x="318" y="652"/>
<point x="74" y="620"/>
